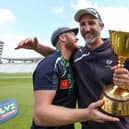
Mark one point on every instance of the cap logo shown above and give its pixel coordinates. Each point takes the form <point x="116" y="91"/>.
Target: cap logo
<point x="94" y="12"/>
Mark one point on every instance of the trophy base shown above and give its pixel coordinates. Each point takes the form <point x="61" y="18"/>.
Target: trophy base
<point x="116" y="102"/>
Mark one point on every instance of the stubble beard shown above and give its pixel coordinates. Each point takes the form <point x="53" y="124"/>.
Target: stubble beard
<point x="91" y="41"/>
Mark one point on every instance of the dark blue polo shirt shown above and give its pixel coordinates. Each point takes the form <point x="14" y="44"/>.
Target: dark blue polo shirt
<point x="93" y="68"/>
<point x="55" y="73"/>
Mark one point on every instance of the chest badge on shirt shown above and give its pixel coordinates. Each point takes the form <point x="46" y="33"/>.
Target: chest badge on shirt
<point x="108" y="63"/>
<point x="64" y="84"/>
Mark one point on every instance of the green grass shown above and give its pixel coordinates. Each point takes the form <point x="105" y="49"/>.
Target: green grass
<point x="19" y="86"/>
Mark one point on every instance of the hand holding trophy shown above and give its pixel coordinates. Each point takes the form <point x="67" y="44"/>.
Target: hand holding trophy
<point x="117" y="99"/>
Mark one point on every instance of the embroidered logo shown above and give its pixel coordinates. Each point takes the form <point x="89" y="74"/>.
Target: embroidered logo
<point x="108" y="63"/>
<point x="64" y="84"/>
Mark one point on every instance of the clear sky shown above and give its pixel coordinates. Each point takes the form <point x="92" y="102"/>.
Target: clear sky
<point x="29" y="18"/>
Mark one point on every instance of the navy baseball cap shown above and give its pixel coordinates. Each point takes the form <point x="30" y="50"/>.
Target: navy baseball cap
<point x="59" y="31"/>
<point x="90" y="11"/>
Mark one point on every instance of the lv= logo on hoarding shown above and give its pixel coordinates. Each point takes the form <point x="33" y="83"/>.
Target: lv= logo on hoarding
<point x="8" y="109"/>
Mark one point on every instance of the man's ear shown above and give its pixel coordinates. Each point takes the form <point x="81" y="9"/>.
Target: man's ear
<point x="102" y="25"/>
<point x="62" y="37"/>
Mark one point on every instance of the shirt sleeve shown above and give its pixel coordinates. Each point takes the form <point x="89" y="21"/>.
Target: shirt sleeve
<point x="44" y="77"/>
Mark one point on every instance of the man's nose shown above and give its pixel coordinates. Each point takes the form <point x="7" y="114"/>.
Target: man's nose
<point x="86" y="27"/>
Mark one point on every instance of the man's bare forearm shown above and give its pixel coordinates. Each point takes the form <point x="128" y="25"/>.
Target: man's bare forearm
<point x="53" y="115"/>
<point x="59" y="116"/>
<point x="44" y="50"/>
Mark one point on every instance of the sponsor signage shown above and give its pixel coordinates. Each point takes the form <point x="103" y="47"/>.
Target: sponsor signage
<point x="8" y="109"/>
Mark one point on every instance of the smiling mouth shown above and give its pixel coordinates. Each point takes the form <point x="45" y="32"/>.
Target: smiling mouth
<point x="88" y="35"/>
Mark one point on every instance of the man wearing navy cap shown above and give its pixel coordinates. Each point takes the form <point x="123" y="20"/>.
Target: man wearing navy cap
<point x="54" y="90"/>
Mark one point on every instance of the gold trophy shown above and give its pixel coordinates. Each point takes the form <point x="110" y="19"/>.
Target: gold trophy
<point x="116" y="100"/>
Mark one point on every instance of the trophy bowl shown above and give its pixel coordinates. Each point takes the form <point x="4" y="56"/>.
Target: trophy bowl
<point x="116" y="100"/>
